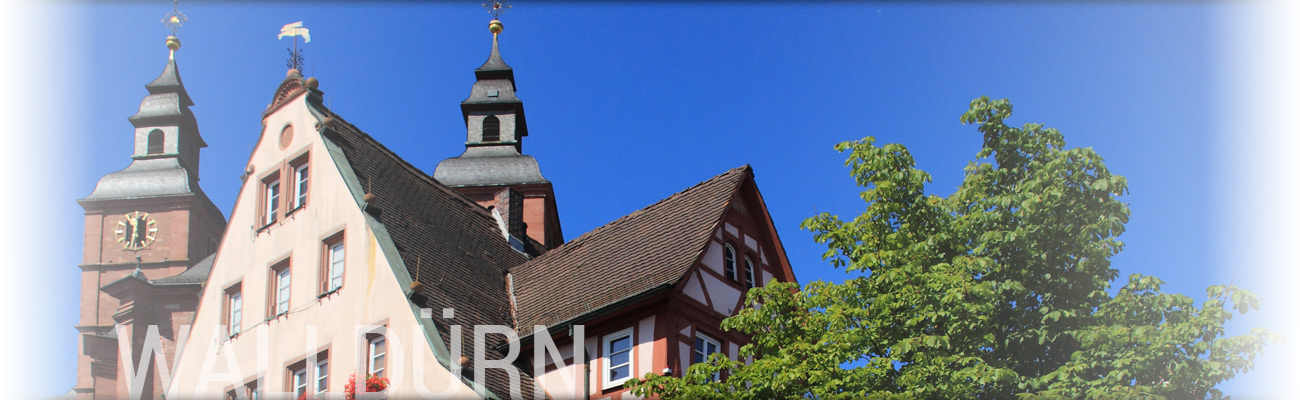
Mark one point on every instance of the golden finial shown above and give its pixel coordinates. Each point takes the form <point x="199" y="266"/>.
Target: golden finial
<point x="173" y="20"/>
<point x="496" y="8"/>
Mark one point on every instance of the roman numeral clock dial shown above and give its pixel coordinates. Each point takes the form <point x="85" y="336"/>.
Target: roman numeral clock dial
<point x="136" y="230"/>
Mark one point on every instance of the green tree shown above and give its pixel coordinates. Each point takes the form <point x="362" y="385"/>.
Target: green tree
<point x="998" y="291"/>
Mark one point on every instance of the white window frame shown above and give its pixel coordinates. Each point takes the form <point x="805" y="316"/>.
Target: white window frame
<point x="336" y="256"/>
<point x="706" y="341"/>
<point x="322" y="379"/>
<point x="371" y="356"/>
<point x="749" y="273"/>
<point x="299" y="383"/>
<point x="282" y="290"/>
<point x="607" y="354"/>
<point x="235" y="304"/>
<point x="272" y="206"/>
<point x="301" y="175"/>
<point x="732" y="275"/>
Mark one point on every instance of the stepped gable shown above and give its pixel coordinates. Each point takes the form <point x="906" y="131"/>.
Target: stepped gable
<point x="649" y="248"/>
<point x="461" y="255"/>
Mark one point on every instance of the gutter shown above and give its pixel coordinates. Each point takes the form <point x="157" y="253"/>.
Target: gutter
<point x="567" y="326"/>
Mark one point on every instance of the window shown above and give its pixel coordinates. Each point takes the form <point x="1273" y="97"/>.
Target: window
<point x="491" y="129"/>
<point x="298" y="381"/>
<point x="375" y="360"/>
<point x="749" y="273"/>
<point x="729" y="261"/>
<point x="618" y="358"/>
<point x="300" y="186"/>
<point x="234" y="310"/>
<point x="155" y="142"/>
<point x="279" y="304"/>
<point x="254" y="392"/>
<point x="332" y="270"/>
<point x="271" y="194"/>
<point x="322" y="375"/>
<point x="704" y="347"/>
<point x="306" y="378"/>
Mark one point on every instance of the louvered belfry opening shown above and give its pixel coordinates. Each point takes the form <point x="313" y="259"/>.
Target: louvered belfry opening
<point x="491" y="129"/>
<point x="155" y="144"/>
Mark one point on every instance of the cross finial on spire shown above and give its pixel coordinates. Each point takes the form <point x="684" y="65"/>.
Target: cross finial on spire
<point x="173" y="20"/>
<point x="496" y="8"/>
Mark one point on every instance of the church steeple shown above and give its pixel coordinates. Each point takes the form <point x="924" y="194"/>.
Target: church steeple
<point x="164" y="126"/>
<point x="494" y="116"/>
<point x="148" y="229"/>
<point x="493" y="161"/>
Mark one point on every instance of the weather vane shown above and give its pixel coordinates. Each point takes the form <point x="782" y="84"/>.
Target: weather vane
<point x="496" y="8"/>
<point x="295" y="30"/>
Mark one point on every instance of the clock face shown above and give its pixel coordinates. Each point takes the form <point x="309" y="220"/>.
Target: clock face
<point x="136" y="230"/>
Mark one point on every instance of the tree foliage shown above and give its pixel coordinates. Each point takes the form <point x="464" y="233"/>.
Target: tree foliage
<point x="997" y="291"/>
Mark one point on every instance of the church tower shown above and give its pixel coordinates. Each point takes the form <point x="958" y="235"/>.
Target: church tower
<point x="493" y="160"/>
<point x="149" y="234"/>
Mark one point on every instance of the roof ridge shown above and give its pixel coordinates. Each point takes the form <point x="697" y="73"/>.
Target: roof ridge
<point x="407" y="164"/>
<point x="582" y="239"/>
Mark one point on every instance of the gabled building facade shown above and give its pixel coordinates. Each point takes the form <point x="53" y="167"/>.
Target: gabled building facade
<point x="356" y="263"/>
<point x="650" y="289"/>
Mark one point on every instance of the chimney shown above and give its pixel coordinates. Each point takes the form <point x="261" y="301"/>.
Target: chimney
<point x="510" y="205"/>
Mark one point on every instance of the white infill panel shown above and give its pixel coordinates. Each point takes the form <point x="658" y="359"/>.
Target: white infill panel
<point x="724" y="296"/>
<point x="695" y="290"/>
<point x="644" y="353"/>
<point x="713" y="257"/>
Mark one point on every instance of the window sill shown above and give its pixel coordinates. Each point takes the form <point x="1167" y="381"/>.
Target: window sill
<point x="294" y="210"/>
<point x="331" y="292"/>
<point x="614" y="386"/>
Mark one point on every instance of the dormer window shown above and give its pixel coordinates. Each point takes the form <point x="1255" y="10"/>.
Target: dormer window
<point x="491" y="129"/>
<point x="155" y="142"/>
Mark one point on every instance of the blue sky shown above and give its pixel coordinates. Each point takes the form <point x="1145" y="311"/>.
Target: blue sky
<point x="629" y="103"/>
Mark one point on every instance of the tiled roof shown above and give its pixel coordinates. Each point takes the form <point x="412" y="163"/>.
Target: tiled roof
<point x="643" y="250"/>
<point x="461" y="255"/>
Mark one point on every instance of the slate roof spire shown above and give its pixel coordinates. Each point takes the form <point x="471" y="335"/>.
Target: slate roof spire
<point x="494" y="159"/>
<point x="167" y="142"/>
<point x="495" y="67"/>
<point x="170" y="79"/>
<point x="495" y="127"/>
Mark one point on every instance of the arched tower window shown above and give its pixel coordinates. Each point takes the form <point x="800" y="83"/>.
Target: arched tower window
<point x="491" y="129"/>
<point x="729" y="262"/>
<point x="155" y="142"/>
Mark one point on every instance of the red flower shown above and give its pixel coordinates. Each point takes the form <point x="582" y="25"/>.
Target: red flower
<point x="373" y="384"/>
